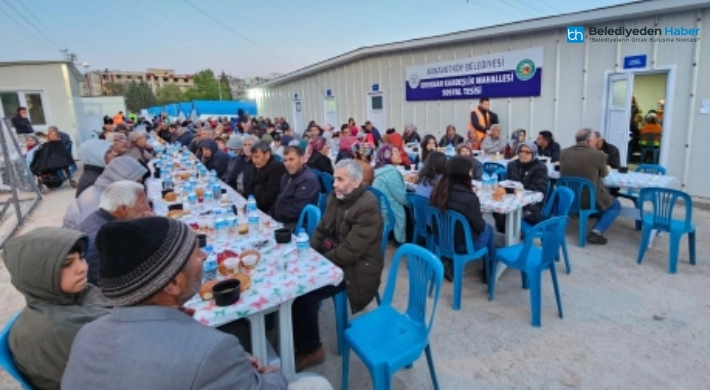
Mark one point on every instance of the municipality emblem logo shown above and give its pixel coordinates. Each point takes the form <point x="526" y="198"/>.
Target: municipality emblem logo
<point x="525" y="70"/>
<point x="414" y="81"/>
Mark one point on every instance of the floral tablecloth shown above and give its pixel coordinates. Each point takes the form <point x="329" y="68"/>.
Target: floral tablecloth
<point x="270" y="285"/>
<point x="636" y="180"/>
<point x="510" y="202"/>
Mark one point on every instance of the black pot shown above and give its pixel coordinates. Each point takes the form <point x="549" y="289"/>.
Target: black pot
<point x="202" y="240"/>
<point x="224" y="191"/>
<point x="509" y="190"/>
<point x="226" y="292"/>
<point x="156" y="173"/>
<point x="165" y="192"/>
<point x="177" y="206"/>
<point x="282" y="236"/>
<point x="623" y="169"/>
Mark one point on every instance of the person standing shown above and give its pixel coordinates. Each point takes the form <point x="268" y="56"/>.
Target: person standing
<point x="482" y="118"/>
<point x="22" y="124"/>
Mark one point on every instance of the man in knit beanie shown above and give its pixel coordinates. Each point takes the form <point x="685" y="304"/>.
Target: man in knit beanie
<point x="149" y="268"/>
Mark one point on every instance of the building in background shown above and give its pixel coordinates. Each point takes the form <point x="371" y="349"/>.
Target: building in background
<point x="95" y="82"/>
<point x="555" y="73"/>
<point x="50" y="91"/>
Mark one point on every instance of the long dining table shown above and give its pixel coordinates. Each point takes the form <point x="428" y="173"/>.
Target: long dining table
<point x="280" y="276"/>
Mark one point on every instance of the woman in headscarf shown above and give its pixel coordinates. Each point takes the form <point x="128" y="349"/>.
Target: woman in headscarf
<point x="394" y="139"/>
<point x="518" y="137"/>
<point x="391" y="183"/>
<point x="46" y="265"/>
<point x="139" y="149"/>
<point x="319" y="157"/>
<point x="464" y="149"/>
<point x="362" y="153"/>
<point x="95" y="154"/>
<point x="532" y="173"/>
<point x="120" y="168"/>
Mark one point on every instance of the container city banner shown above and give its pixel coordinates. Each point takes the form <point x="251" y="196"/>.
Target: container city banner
<point x="509" y="74"/>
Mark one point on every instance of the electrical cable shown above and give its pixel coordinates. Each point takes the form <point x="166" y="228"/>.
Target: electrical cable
<point x="50" y="40"/>
<point x="26" y="29"/>
<point x="39" y="22"/>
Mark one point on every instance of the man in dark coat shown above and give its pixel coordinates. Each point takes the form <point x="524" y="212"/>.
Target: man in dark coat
<point x="585" y="161"/>
<point x="21" y="122"/>
<point x="213" y="158"/>
<point x="349" y="235"/>
<point x="613" y="158"/>
<point x="547" y="146"/>
<point x="266" y="182"/>
<point x="299" y="187"/>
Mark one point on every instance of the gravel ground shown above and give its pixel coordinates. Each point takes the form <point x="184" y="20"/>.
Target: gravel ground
<point x="625" y="326"/>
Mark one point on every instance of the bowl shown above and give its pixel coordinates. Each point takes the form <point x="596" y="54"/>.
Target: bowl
<point x="227" y="292"/>
<point x="177" y="206"/>
<point x="282" y="236"/>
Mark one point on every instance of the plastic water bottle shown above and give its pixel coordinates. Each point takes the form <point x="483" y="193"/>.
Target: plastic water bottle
<point x="449" y="149"/>
<point x="251" y="204"/>
<point x="209" y="266"/>
<point x="216" y="216"/>
<point x="253" y="219"/>
<point x="221" y="230"/>
<point x="168" y="182"/>
<point x="486" y="183"/>
<point x="207" y="199"/>
<point x="494" y="181"/>
<point x="302" y="243"/>
<point x="217" y="190"/>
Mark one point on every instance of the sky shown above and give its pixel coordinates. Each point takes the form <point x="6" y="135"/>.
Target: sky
<point x="248" y="38"/>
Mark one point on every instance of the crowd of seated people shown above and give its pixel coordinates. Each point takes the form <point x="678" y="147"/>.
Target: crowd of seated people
<point x="123" y="274"/>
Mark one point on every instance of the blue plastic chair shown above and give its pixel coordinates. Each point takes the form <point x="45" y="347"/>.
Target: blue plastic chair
<point x="649" y="144"/>
<point x="276" y="156"/>
<point x="491" y="167"/>
<point x="327" y="180"/>
<point x="387" y="213"/>
<point x="322" y="202"/>
<point x="501" y="174"/>
<point x="387" y="340"/>
<point x="561" y="199"/>
<point x="583" y="189"/>
<point x="6" y="361"/>
<point x="632" y="194"/>
<point x="418" y="206"/>
<point x="661" y="219"/>
<point x="532" y="261"/>
<point x="310" y="215"/>
<point x="444" y="236"/>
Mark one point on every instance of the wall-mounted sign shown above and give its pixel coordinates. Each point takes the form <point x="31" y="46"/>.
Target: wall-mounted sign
<point x="375" y="87"/>
<point x="329" y="93"/>
<point x="295" y="96"/>
<point x="509" y="74"/>
<point x="635" y="62"/>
